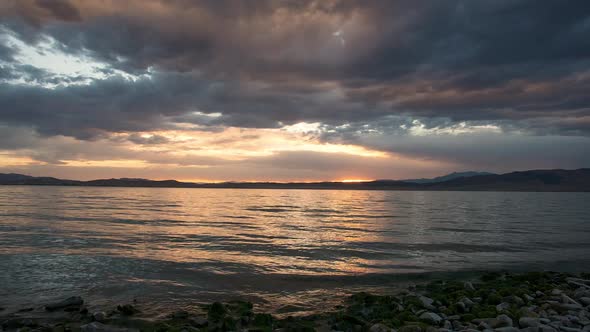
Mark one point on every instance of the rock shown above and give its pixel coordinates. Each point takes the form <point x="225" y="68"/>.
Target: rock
<point x="503" y="306"/>
<point x="569" y="329"/>
<point x="501" y="321"/>
<point x="507" y="329"/>
<point x="198" y="321"/>
<point x="586" y="328"/>
<point x="127" y="309"/>
<point x="467" y="301"/>
<point x="530" y="329"/>
<point x="427" y="302"/>
<point x="525" y="322"/>
<point x="379" y="328"/>
<point x="100" y="327"/>
<point x="181" y="314"/>
<point x="539" y="294"/>
<point x="454" y="317"/>
<point x="99" y="316"/>
<point x="468" y="286"/>
<point x="514" y="300"/>
<point x="581" y="292"/>
<point x="461" y="307"/>
<point x="567" y="299"/>
<point x="410" y="328"/>
<point x="14" y="323"/>
<point x="528" y="297"/>
<point x="483" y="326"/>
<point x="447" y="325"/>
<point x="556" y="291"/>
<point x="74" y="301"/>
<point x="457" y="325"/>
<point x="563" y="307"/>
<point x="584" y="300"/>
<point x="216" y="311"/>
<point x="546" y="328"/>
<point x="431" y="317"/>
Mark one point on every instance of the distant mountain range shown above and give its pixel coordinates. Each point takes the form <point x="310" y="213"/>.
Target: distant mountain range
<point x="534" y="180"/>
<point x="454" y="175"/>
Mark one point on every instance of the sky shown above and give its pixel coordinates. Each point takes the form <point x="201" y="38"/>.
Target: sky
<point x="284" y="90"/>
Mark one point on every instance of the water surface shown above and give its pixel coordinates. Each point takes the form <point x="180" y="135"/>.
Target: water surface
<point x="175" y="247"/>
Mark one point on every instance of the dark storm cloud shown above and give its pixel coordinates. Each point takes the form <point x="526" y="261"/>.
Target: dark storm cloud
<point x="60" y="9"/>
<point x="518" y="64"/>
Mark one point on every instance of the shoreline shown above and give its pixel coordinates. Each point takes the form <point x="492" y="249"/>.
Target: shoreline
<point x="493" y="301"/>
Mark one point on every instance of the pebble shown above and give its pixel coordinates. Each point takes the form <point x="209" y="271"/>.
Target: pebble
<point x="69" y="302"/>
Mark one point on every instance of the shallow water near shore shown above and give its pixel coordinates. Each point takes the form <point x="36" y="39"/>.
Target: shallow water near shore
<point x="280" y="249"/>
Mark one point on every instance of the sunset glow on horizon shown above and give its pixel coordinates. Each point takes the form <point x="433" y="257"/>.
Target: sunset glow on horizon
<point x="272" y="91"/>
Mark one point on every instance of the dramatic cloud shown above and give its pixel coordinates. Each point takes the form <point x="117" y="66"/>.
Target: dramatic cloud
<point x="492" y="85"/>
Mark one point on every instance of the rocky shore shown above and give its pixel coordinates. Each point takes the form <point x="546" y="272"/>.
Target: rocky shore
<point x="498" y="302"/>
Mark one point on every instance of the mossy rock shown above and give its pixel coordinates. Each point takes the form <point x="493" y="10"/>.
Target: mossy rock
<point x="468" y="317"/>
<point x="406" y="316"/>
<point x="262" y="320"/>
<point x="493" y="299"/>
<point x="240" y="308"/>
<point x="216" y="312"/>
<point x="490" y="276"/>
<point x="127" y="309"/>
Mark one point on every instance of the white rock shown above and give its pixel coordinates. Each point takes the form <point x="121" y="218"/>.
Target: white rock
<point x="468" y="286"/>
<point x="467" y="301"/>
<point x="427" y="302"/>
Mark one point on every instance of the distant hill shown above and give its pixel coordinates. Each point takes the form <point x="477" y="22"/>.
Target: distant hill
<point x="534" y="180"/>
<point x="448" y="177"/>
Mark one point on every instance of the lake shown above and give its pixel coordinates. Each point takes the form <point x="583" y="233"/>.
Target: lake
<point x="282" y="249"/>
